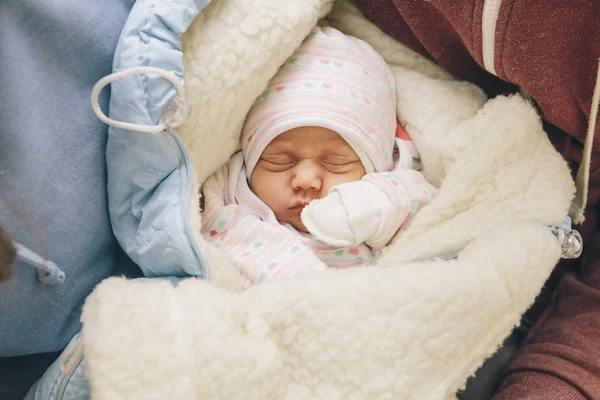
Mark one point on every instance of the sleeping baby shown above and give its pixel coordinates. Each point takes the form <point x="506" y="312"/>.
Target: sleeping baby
<point x="325" y="177"/>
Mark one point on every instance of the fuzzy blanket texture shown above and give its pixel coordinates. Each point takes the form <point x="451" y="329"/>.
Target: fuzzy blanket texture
<point x="407" y="328"/>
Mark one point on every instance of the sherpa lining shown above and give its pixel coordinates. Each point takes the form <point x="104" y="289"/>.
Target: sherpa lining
<point x="405" y="329"/>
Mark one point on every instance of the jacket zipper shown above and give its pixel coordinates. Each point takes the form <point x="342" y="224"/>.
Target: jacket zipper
<point x="491" y="9"/>
<point x="66" y="378"/>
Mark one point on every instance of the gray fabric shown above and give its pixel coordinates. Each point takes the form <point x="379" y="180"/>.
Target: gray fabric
<point x="52" y="163"/>
<point x="486" y="381"/>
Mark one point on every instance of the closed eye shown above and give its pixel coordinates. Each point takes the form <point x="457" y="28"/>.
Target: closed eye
<point x="277" y="164"/>
<point x="336" y="162"/>
<point x="339" y="166"/>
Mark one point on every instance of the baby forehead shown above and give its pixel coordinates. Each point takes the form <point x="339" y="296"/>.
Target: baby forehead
<point x="305" y="137"/>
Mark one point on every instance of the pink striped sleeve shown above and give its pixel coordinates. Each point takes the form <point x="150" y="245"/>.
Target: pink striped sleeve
<point x="407" y="191"/>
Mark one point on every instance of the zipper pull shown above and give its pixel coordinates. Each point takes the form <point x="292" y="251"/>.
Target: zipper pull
<point x="49" y="273"/>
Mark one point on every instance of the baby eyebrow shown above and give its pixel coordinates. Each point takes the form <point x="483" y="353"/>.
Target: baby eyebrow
<point x="277" y="156"/>
<point x="339" y="156"/>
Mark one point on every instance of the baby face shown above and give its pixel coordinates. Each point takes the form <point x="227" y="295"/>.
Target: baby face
<point x="301" y="165"/>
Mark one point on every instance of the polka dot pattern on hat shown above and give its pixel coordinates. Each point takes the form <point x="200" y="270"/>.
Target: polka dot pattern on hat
<point x="333" y="81"/>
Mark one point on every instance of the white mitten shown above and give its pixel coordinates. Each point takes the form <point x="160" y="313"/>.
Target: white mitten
<point x="349" y="215"/>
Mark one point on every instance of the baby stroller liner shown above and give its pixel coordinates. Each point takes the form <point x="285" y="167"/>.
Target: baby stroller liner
<point x="150" y="177"/>
<point x="406" y="329"/>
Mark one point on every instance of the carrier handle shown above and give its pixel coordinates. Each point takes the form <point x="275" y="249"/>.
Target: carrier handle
<point x="169" y="76"/>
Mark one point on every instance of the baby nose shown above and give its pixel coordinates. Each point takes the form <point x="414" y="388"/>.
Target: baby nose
<point x="307" y="177"/>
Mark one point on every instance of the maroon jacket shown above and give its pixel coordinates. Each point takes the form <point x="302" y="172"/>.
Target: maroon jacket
<point x="551" y="49"/>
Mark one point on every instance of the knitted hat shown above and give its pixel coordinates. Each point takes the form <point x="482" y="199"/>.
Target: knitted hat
<point x="332" y="81"/>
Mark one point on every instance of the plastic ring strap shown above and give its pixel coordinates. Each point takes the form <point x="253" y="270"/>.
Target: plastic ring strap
<point x="169" y="76"/>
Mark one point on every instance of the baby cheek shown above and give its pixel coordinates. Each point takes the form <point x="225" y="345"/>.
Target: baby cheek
<point x="338" y="179"/>
<point x="274" y="190"/>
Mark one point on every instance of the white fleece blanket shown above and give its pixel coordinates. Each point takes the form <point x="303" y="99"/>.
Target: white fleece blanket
<point x="405" y="329"/>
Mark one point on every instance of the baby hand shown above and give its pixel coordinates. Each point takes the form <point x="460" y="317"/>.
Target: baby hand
<point x="348" y="216"/>
<point x="327" y="220"/>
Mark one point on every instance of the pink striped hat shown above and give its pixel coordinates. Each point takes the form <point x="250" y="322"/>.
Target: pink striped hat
<point x="333" y="81"/>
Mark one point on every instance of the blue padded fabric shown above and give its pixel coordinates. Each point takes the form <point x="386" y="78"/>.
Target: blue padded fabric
<point x="150" y="175"/>
<point x="53" y="196"/>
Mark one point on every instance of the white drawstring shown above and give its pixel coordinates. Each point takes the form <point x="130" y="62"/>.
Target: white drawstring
<point x="171" y="77"/>
<point x="49" y="273"/>
<point x="583" y="174"/>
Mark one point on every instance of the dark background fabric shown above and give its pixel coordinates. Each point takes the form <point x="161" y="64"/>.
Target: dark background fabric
<point x="18" y="374"/>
